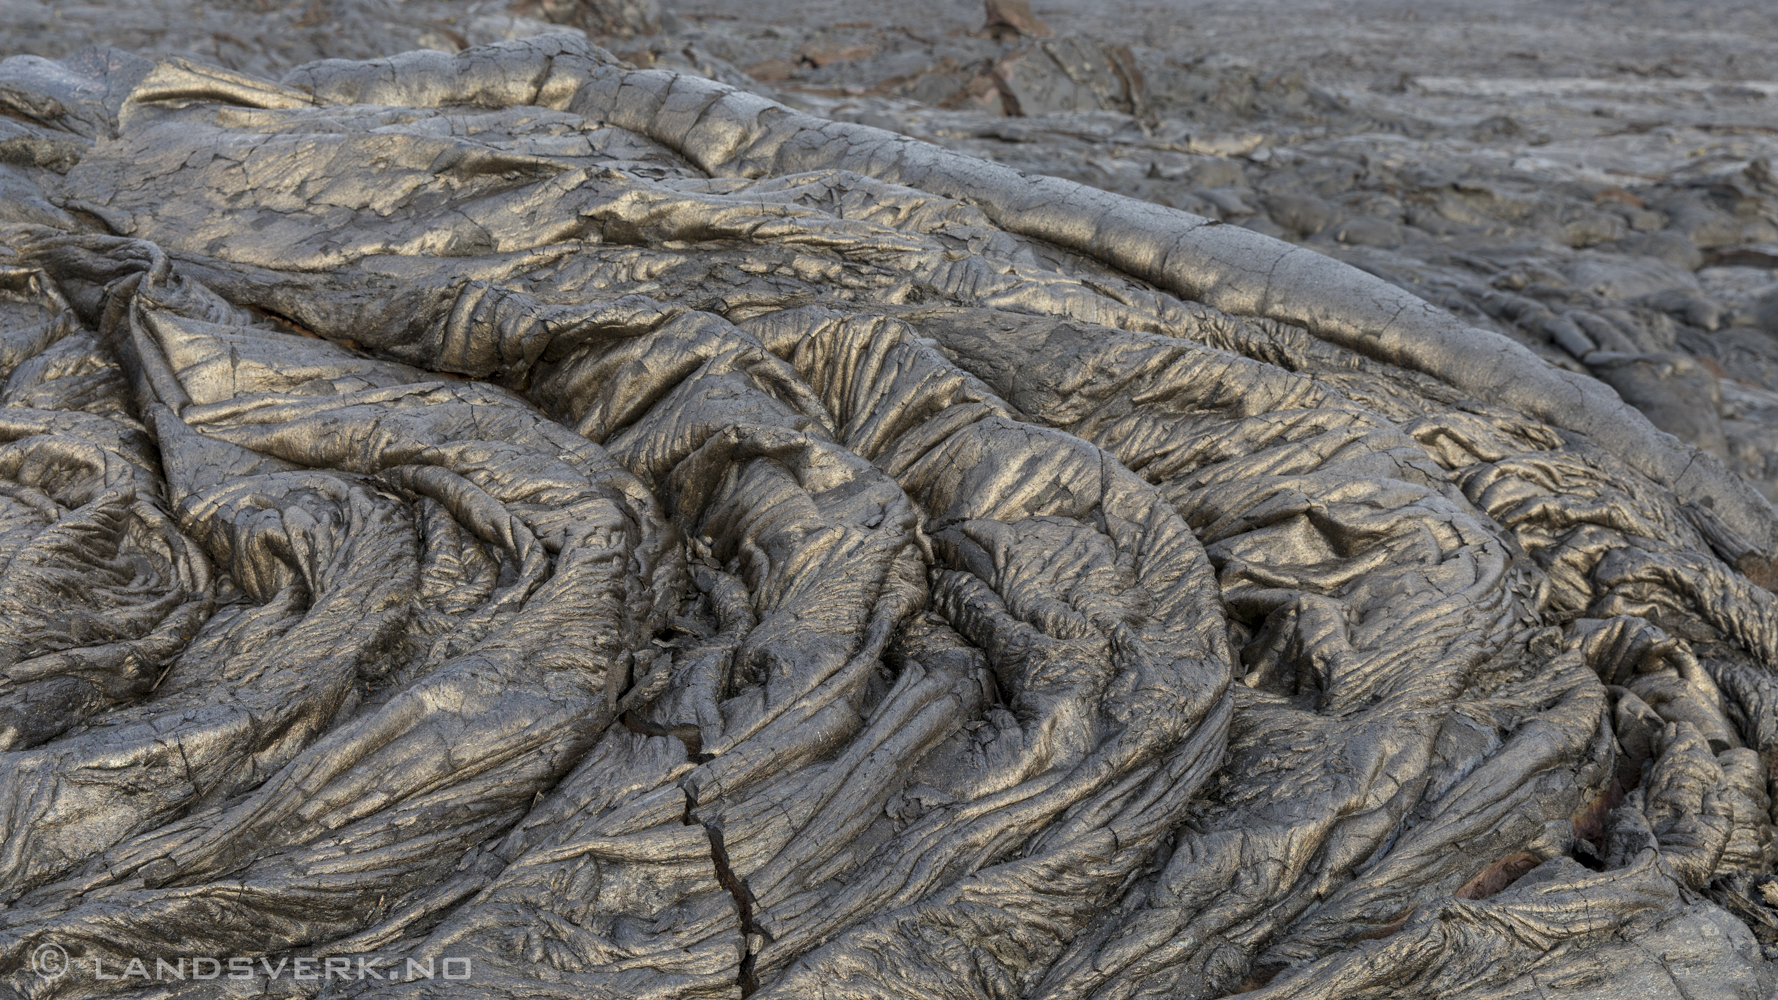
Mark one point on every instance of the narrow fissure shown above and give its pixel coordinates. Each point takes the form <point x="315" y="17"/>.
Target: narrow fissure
<point x="748" y="979"/>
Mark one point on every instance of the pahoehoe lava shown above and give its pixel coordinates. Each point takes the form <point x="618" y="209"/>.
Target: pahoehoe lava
<point x="655" y="543"/>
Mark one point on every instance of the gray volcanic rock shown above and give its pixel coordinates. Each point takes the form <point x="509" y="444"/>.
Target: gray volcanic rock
<point x="1679" y="395"/>
<point x="636" y="538"/>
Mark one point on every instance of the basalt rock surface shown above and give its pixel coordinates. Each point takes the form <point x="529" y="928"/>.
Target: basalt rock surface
<point x="654" y="542"/>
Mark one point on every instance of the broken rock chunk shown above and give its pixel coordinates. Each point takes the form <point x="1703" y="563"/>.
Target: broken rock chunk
<point x="1070" y="74"/>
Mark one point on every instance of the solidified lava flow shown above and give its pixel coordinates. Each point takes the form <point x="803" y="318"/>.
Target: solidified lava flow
<point x="644" y="541"/>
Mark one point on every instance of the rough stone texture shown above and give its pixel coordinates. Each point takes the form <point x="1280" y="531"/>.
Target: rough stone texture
<point x="608" y="18"/>
<point x="1069" y="74"/>
<point x="1677" y="393"/>
<point x="652" y="541"/>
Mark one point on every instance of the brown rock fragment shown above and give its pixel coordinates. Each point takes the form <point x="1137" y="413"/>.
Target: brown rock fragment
<point x="771" y="70"/>
<point x="981" y="93"/>
<point x="1499" y="875"/>
<point x="1014" y="17"/>
<point x="827" y="55"/>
